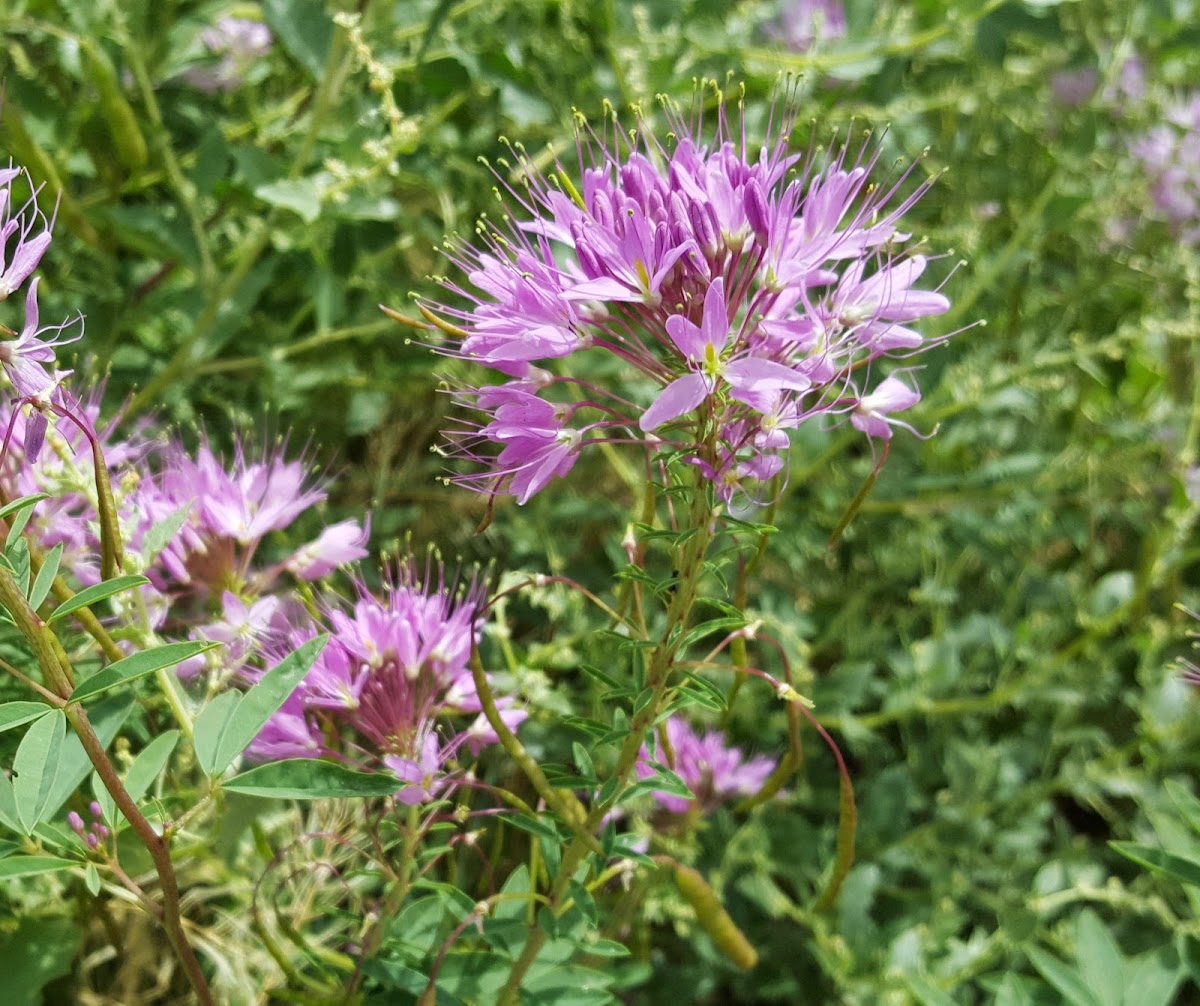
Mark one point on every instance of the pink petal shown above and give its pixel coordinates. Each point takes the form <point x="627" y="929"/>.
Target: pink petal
<point x="677" y="398"/>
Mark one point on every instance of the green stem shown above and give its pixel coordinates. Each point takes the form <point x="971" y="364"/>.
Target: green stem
<point x="690" y="564"/>
<point x="58" y="676"/>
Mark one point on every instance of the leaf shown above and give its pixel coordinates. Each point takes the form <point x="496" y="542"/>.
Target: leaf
<point x="29" y="866"/>
<point x="22" y="503"/>
<point x="16" y="527"/>
<point x="304" y="30"/>
<point x="1151" y="981"/>
<point x="1180" y="867"/>
<point x="45" y="578"/>
<point x="161" y="533"/>
<point x="708" y="628"/>
<point x="18" y="560"/>
<point x="8" y="804"/>
<point x="927" y="993"/>
<point x="262" y="701"/>
<point x="35" y="767"/>
<point x="149" y="763"/>
<point x="300" y="195"/>
<point x="106" y="716"/>
<point x="210" y="726"/>
<point x="34" y="952"/>
<point x="91" y="878"/>
<point x="311" y="779"/>
<point x="13" y="714"/>
<point x="144" y="770"/>
<point x="1186" y="804"/>
<point x="135" y="666"/>
<point x="1062" y="977"/>
<point x="1099" y="959"/>
<point x="90" y="595"/>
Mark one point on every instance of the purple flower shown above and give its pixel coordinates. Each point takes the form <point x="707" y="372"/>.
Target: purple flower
<point x="747" y="287"/>
<point x="871" y="411"/>
<point x="337" y="545"/>
<point x="714" y="771"/>
<point x="392" y="683"/>
<point x="1074" y="88"/>
<point x="238" y="42"/>
<point x="801" y="23"/>
<point x="1170" y="156"/>
<point x="28" y="224"/>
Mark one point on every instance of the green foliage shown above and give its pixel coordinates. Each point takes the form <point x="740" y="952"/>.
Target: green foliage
<point x="989" y="638"/>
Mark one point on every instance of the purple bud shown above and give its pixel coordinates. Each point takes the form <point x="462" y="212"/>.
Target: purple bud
<point x="102" y="831"/>
<point x="96" y="809"/>
<point x="92" y="841"/>
<point x="758" y="214"/>
<point x="705" y="227"/>
<point x="75" y="822"/>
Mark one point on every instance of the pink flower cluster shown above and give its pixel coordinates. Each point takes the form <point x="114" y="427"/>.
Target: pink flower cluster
<point x="742" y="292"/>
<point x="713" y="769"/>
<point x="1170" y="156"/>
<point x="236" y="43"/>
<point x="390" y="684"/>
<point x="28" y="357"/>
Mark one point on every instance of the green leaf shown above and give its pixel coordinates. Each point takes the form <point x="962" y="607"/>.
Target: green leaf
<point x="262" y="701"/>
<point x="149" y="763"/>
<point x="144" y="770"/>
<point x="532" y="825"/>
<point x="583" y="762"/>
<point x="160" y="533"/>
<point x="926" y="993"/>
<point x="13" y="714"/>
<point x="106" y="716"/>
<point x="1099" y="958"/>
<point x="45" y="578"/>
<point x="210" y="726"/>
<point x="725" y="625"/>
<point x="35" y="767"/>
<point x="18" y="559"/>
<point x="16" y="527"/>
<point x="1065" y="979"/>
<point x="1180" y="867"/>
<point x="300" y="195"/>
<point x="304" y="29"/>
<point x="311" y="779"/>
<point x="34" y="952"/>
<point x="22" y="503"/>
<point x="29" y="866"/>
<point x="8" y="804"/>
<point x="1152" y="978"/>
<point x="98" y="592"/>
<point x="1187" y="804"/>
<point x="91" y="878"/>
<point x="135" y="666"/>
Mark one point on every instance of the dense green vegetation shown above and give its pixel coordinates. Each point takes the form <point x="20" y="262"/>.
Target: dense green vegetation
<point x="992" y="640"/>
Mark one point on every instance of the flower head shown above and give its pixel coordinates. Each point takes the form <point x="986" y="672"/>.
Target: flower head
<point x="741" y="289"/>
<point x="238" y="42"/>
<point x="390" y="684"/>
<point x="714" y="770"/>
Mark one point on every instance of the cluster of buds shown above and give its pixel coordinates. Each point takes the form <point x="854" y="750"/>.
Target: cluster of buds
<point x="93" y="835"/>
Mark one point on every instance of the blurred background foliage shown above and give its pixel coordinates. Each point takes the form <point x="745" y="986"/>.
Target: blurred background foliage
<point x="990" y="641"/>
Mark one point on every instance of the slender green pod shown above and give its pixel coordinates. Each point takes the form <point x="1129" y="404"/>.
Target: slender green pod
<point x="713" y="918"/>
<point x="128" y="141"/>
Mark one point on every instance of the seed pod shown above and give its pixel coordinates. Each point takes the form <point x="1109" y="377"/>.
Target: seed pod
<point x="713" y="918"/>
<point x="122" y="121"/>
